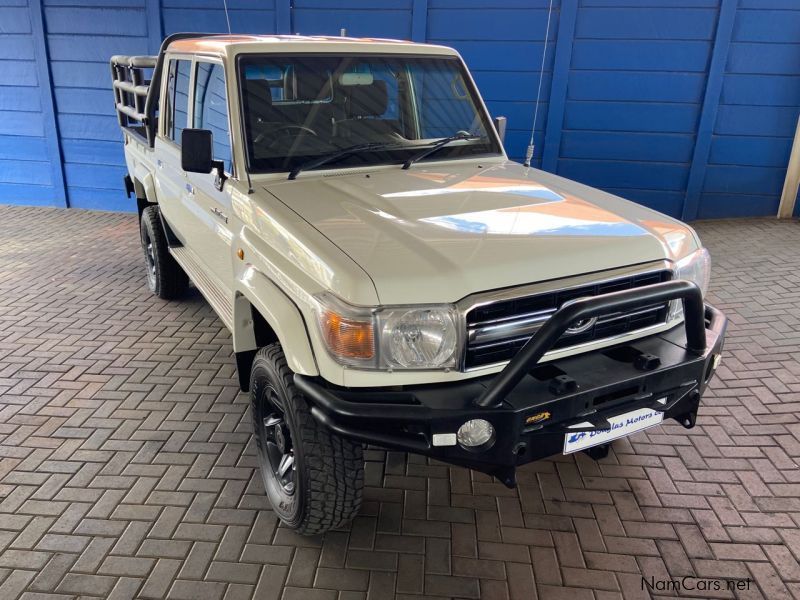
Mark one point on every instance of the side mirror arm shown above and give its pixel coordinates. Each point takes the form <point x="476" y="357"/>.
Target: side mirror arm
<point x="500" y="126"/>
<point x="220" y="178"/>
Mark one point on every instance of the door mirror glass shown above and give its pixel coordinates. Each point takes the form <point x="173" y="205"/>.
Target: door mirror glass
<point x="197" y="151"/>
<point x="197" y="155"/>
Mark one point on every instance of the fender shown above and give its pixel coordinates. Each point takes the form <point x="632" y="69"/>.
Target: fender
<point x="281" y="314"/>
<point x="148" y="183"/>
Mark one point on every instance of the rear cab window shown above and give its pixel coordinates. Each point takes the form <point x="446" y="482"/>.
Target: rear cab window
<point x="176" y="109"/>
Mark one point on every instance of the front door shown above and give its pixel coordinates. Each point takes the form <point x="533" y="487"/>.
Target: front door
<point x="210" y="111"/>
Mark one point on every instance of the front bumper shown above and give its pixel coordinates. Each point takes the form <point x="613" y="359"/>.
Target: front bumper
<point x="532" y="406"/>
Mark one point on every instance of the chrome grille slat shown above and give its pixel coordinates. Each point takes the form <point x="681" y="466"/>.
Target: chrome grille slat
<point x="480" y="335"/>
<point x="532" y="315"/>
<point x="485" y="336"/>
<point x="642" y="311"/>
<point x="495" y="332"/>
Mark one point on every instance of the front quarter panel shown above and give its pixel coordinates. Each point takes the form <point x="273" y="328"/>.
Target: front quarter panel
<point x="284" y="263"/>
<point x="255" y="289"/>
<point x="294" y="253"/>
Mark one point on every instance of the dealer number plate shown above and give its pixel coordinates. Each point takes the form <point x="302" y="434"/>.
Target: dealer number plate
<point x="621" y="426"/>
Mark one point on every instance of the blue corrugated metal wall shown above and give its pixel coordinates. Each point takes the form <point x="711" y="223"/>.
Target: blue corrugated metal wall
<point x="634" y="95"/>
<point x="688" y="106"/>
<point x="79" y="41"/>
<point x="30" y="160"/>
<point x="757" y="110"/>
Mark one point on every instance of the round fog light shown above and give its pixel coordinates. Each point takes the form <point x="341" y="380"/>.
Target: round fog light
<point x="474" y="433"/>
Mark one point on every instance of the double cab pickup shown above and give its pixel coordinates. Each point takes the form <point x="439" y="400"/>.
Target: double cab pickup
<point x="389" y="276"/>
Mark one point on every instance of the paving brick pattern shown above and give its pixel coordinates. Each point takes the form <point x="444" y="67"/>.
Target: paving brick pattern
<point x="127" y="467"/>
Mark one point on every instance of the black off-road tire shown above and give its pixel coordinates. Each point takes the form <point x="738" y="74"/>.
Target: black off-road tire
<point x="328" y="475"/>
<point x="165" y="277"/>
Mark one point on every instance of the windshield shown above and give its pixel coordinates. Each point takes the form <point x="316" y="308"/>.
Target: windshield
<point x="301" y="108"/>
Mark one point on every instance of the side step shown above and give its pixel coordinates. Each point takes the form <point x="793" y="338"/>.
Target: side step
<point x="218" y="296"/>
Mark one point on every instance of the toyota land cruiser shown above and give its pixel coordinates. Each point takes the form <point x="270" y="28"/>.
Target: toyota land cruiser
<point x="389" y="276"/>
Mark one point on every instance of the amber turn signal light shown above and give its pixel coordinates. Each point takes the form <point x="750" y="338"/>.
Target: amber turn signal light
<point x="348" y="338"/>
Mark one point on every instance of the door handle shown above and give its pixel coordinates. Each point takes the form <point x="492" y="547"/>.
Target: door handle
<point x="190" y="189"/>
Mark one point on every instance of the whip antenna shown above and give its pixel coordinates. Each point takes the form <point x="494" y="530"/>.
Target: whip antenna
<point x="228" y="19"/>
<point x="529" y="151"/>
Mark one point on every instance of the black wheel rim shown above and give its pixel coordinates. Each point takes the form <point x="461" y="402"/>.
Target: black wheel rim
<point x="275" y="444"/>
<point x="149" y="258"/>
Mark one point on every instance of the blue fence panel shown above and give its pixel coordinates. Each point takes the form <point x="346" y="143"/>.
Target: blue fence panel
<point x="18" y="71"/>
<point x="376" y="18"/>
<point x="29" y="170"/>
<point x="246" y="16"/>
<point x="502" y="45"/>
<point x="652" y="21"/>
<point x="81" y="37"/>
<point x="687" y="106"/>
<point x="758" y="113"/>
<point x="635" y="87"/>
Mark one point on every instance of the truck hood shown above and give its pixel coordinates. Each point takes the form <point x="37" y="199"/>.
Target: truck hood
<point x="439" y="233"/>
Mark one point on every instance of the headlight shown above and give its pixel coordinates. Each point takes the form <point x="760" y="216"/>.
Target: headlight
<point x="696" y="267"/>
<point x="396" y="337"/>
<point x="419" y="338"/>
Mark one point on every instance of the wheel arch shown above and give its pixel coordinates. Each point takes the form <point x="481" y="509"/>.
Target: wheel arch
<point x="145" y="189"/>
<point x="264" y="314"/>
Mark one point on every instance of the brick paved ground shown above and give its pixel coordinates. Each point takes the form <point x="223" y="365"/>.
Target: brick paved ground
<point x="126" y="467"/>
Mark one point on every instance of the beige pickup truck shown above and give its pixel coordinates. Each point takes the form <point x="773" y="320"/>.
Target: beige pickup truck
<point x="389" y="276"/>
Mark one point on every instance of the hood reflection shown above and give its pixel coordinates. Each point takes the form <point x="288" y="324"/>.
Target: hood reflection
<point x="531" y="191"/>
<point x="553" y="214"/>
<point x="522" y="221"/>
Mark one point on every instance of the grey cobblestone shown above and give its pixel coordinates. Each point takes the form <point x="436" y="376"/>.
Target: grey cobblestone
<point x="127" y="470"/>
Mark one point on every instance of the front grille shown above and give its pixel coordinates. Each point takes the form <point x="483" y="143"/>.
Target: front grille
<point x="497" y="331"/>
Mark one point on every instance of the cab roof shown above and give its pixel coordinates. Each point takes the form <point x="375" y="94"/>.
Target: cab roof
<point x="223" y="44"/>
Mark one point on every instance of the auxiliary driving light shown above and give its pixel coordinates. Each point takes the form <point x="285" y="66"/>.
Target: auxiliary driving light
<point x="475" y="433"/>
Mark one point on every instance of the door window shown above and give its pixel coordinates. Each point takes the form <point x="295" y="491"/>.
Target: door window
<point x="211" y="108"/>
<point x="178" y="98"/>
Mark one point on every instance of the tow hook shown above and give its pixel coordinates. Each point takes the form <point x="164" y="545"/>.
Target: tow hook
<point x="689" y="419"/>
<point x="507" y="476"/>
<point x="598" y="452"/>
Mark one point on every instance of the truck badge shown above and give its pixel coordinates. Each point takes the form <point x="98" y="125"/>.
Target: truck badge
<point x="538" y="418"/>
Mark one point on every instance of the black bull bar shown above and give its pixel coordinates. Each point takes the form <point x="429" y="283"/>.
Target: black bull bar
<point x="530" y="404"/>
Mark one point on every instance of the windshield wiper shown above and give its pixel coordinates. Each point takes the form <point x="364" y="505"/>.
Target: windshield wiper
<point x="326" y="158"/>
<point x="437" y="145"/>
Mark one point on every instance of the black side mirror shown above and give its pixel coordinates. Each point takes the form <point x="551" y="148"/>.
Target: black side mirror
<point x="500" y="125"/>
<point x="197" y="154"/>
